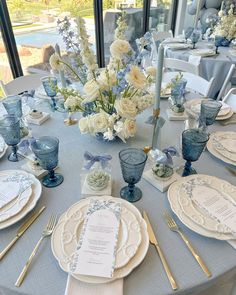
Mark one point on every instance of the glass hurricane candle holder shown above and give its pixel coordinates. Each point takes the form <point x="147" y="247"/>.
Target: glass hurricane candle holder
<point x="46" y="149"/>
<point x="132" y="161"/>
<point x="10" y="131"/>
<point x="193" y="144"/>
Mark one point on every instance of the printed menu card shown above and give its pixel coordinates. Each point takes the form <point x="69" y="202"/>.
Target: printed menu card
<point x="217" y="205"/>
<point x="96" y="251"/>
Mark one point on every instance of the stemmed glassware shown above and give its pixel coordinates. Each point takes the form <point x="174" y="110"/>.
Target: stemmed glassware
<point x="132" y="161"/>
<point x="218" y="42"/>
<point x="10" y="131"/>
<point x="193" y="144"/>
<point x="195" y="37"/>
<point x="209" y="111"/>
<point x="46" y="149"/>
<point x="49" y="84"/>
<point x="187" y="33"/>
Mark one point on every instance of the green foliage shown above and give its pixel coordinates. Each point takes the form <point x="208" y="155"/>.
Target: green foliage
<point x="17" y="6"/>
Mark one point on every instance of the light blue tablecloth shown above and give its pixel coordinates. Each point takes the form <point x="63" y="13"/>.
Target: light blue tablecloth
<point x="45" y="276"/>
<point x="216" y="66"/>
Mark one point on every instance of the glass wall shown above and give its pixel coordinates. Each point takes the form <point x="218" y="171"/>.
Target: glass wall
<point x="160" y="15"/>
<point x="36" y="28"/>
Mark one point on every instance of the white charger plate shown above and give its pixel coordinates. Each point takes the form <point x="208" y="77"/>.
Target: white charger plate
<point x="215" y="152"/>
<point x="36" y="193"/>
<point x="225" y="144"/>
<point x="197" y="186"/>
<point x="64" y="260"/>
<point x="17" y="204"/>
<point x="129" y="237"/>
<point x="203" y="52"/>
<point x="186" y="220"/>
<point x="178" y="46"/>
<point x="174" y="40"/>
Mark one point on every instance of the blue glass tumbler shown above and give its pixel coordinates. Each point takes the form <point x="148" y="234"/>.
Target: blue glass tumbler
<point x="46" y="149"/>
<point x="49" y="84"/>
<point x="10" y="131"/>
<point x="193" y="144"/>
<point x="195" y="37"/>
<point x="132" y="161"/>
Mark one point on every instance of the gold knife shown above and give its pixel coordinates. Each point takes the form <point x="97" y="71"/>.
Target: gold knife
<point x="21" y="231"/>
<point x="153" y="241"/>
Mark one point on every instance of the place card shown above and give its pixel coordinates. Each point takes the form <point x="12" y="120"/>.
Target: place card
<point x="96" y="251"/>
<point x="217" y="205"/>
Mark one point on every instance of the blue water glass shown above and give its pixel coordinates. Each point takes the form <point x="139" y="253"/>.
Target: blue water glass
<point x="46" y="149"/>
<point x="13" y="105"/>
<point x="49" y="84"/>
<point x="188" y="33"/>
<point x="10" y="131"/>
<point x="193" y="144"/>
<point x="132" y="161"/>
<point x="195" y="37"/>
<point x="209" y="111"/>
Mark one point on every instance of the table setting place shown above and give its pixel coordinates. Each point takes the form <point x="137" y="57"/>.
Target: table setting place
<point x="63" y="179"/>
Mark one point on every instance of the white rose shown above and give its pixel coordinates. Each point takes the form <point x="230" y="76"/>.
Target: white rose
<point x="55" y="62"/>
<point x="91" y="90"/>
<point x="84" y="125"/>
<point x="126" y="108"/>
<point x="128" y="130"/>
<point x="136" y="78"/>
<point x="151" y="71"/>
<point x="99" y="122"/>
<point x="72" y="103"/>
<point x="119" y="47"/>
<point x="107" y="79"/>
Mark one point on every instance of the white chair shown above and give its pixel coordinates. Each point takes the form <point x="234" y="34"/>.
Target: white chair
<point x="230" y="99"/>
<point x="194" y="82"/>
<point x="21" y="84"/>
<point x="181" y="65"/>
<point x="226" y="83"/>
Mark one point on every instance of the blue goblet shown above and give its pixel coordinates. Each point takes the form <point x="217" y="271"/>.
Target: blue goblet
<point x="49" y="84"/>
<point x="10" y="131"/>
<point x="218" y="42"/>
<point x="209" y="111"/>
<point x="45" y="149"/>
<point x="193" y="144"/>
<point x="187" y="33"/>
<point x="13" y="105"/>
<point x="195" y="37"/>
<point x="132" y="161"/>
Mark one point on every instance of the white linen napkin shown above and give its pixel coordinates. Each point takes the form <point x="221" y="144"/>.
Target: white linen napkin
<point x="75" y="287"/>
<point x="194" y="59"/>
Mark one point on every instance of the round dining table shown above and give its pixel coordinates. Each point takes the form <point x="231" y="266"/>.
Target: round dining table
<point x="45" y="276"/>
<point x="216" y="66"/>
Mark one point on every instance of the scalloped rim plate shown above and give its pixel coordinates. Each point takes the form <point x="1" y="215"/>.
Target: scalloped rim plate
<point x="36" y="193"/>
<point x="118" y="273"/>
<point x="176" y="208"/>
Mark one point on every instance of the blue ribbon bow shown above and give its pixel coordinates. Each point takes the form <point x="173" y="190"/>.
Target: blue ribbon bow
<point x="91" y="160"/>
<point x="170" y="152"/>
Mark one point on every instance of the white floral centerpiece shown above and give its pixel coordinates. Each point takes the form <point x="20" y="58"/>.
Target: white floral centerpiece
<point x="112" y="97"/>
<point x="226" y="26"/>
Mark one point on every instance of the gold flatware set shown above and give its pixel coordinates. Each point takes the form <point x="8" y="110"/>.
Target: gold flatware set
<point x="173" y="227"/>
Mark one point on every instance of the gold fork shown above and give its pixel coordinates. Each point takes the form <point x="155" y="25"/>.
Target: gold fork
<point x="46" y="233"/>
<point x="174" y="227"/>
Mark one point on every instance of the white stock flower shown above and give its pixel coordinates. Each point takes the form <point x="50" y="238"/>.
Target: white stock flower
<point x="126" y="108"/>
<point x="91" y="90"/>
<point x="143" y="102"/>
<point x="119" y="47"/>
<point x="118" y="126"/>
<point x="107" y="79"/>
<point x="55" y="62"/>
<point x="136" y="78"/>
